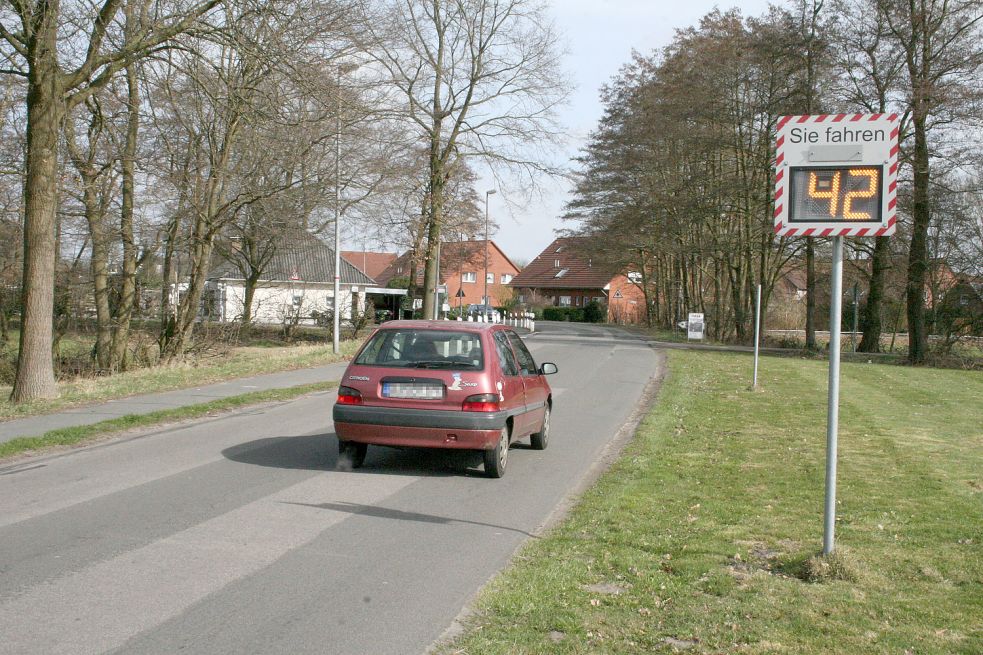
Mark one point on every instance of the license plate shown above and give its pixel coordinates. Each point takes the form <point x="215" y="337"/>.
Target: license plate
<point x="412" y="390"/>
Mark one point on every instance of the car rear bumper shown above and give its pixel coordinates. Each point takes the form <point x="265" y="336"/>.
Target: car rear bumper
<point x="388" y="435"/>
<point x="425" y="428"/>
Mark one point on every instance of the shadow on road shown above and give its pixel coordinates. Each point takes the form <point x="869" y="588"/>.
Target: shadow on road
<point x="400" y="515"/>
<point x="316" y="452"/>
<point x="319" y="452"/>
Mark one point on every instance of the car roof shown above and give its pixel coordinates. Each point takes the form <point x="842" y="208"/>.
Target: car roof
<point x="456" y="326"/>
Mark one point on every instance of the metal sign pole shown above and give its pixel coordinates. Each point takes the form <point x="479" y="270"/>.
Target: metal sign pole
<point x="833" y="411"/>
<point x="757" y="336"/>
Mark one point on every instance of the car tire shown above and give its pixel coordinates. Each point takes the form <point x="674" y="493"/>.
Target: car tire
<point x="541" y="439"/>
<point x="497" y="458"/>
<point x="351" y="455"/>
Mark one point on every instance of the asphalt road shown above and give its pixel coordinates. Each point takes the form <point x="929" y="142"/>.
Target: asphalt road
<point x="235" y="534"/>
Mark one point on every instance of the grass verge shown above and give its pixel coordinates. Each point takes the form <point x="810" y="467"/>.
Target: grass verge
<point x="75" y="436"/>
<point x="241" y="362"/>
<point x="705" y="536"/>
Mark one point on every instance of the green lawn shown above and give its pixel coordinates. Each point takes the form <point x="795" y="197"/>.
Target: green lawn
<point x="84" y="434"/>
<point x="704" y="537"/>
<point x="239" y="362"/>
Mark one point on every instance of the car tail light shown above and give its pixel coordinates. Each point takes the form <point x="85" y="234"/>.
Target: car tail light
<point x="349" y="396"/>
<point x="482" y="402"/>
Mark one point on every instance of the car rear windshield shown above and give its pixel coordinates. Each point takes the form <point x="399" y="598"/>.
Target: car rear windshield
<point x="408" y="348"/>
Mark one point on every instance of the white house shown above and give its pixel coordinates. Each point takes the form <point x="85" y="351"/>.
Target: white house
<point x="296" y="286"/>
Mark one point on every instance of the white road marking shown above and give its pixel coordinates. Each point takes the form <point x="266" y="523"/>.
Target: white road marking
<point x="102" y="606"/>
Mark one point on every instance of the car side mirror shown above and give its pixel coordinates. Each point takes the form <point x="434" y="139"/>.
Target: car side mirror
<point x="548" y="368"/>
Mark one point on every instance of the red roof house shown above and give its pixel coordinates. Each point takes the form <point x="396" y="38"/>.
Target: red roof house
<point x="565" y="275"/>
<point x="370" y="263"/>
<point x="462" y="269"/>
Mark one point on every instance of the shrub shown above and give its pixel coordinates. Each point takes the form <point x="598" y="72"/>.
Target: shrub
<point x="554" y="314"/>
<point x="574" y="314"/>
<point x="594" y="312"/>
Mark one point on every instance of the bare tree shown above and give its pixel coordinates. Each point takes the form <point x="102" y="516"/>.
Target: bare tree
<point x="477" y="78"/>
<point x="65" y="54"/>
<point x="870" y="65"/>
<point x="220" y="106"/>
<point x="941" y="46"/>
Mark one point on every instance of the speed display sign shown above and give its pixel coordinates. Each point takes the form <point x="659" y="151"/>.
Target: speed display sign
<point x="836" y="175"/>
<point x="835" y="194"/>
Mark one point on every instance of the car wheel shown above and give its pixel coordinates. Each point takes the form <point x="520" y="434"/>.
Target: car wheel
<point x="540" y="439"/>
<point x="497" y="458"/>
<point x="351" y="455"/>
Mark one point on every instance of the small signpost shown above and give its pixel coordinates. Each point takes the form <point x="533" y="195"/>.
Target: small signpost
<point x="836" y="175"/>
<point x="694" y="327"/>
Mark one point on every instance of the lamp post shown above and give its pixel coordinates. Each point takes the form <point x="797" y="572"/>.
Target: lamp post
<point x="484" y="299"/>
<point x="336" y="325"/>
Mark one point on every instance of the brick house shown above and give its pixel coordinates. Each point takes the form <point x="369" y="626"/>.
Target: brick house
<point x="565" y="275"/>
<point x="370" y="263"/>
<point x="462" y="268"/>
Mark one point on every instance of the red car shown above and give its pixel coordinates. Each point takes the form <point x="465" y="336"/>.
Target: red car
<point x="443" y="384"/>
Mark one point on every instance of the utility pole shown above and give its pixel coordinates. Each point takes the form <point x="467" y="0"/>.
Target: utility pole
<point x="336" y="324"/>
<point x="484" y="301"/>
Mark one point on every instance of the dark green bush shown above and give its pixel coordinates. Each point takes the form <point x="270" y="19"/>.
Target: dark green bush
<point x="594" y="312"/>
<point x="574" y="314"/>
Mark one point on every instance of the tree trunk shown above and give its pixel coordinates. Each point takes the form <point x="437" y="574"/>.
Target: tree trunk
<point x="870" y="342"/>
<point x="99" y="269"/>
<point x="168" y="285"/>
<point x="810" y="293"/>
<point x="249" y="293"/>
<point x="436" y="197"/>
<point x="35" y="378"/>
<point x="124" y="313"/>
<point x="187" y="313"/>
<point x="918" y="252"/>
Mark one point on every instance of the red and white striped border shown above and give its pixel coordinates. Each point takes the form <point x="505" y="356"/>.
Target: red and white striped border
<point x="889" y="220"/>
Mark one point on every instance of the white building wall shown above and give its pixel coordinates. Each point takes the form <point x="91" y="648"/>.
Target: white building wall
<point x="278" y="304"/>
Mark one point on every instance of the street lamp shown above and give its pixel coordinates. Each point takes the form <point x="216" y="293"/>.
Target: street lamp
<point x="484" y="300"/>
<point x="336" y="327"/>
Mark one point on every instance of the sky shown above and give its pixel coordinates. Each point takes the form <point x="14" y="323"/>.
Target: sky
<point x="600" y="36"/>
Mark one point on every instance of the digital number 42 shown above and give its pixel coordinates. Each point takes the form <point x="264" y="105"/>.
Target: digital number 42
<point x="833" y="192"/>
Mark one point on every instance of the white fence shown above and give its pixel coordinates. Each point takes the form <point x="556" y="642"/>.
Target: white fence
<point x="515" y="319"/>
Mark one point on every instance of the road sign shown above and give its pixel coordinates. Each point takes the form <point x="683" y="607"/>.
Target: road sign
<point x="694" y="326"/>
<point x="836" y="175"/>
<point x="459" y="294"/>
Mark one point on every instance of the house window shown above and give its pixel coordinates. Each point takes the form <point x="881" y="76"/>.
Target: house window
<point x="964" y="299"/>
<point x="522" y="298"/>
<point x="297" y="300"/>
<point x="564" y="301"/>
<point x="562" y="272"/>
<point x="470" y="276"/>
<point x="560" y="249"/>
<point x="490" y="278"/>
<point x="556" y="263"/>
<point x="506" y="278"/>
<point x="634" y="276"/>
<point x="598" y="299"/>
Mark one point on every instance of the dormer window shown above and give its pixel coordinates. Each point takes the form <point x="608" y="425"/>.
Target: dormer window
<point x="562" y="272"/>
